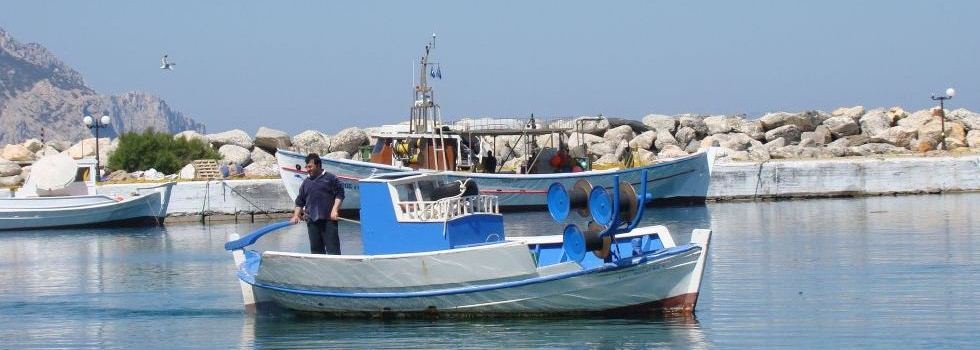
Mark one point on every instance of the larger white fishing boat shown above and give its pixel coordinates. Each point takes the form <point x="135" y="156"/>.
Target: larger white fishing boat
<point x="426" y="144"/>
<point x="62" y="192"/>
<point x="435" y="247"/>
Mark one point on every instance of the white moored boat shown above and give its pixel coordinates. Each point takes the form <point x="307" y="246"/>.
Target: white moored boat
<point x="61" y="192"/>
<point x="433" y="246"/>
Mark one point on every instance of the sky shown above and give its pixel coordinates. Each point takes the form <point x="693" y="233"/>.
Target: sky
<point x="325" y="65"/>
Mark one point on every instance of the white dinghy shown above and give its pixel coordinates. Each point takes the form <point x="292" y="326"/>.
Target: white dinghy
<point x="61" y="192"/>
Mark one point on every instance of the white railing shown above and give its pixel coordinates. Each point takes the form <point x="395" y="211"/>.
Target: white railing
<point x="447" y="208"/>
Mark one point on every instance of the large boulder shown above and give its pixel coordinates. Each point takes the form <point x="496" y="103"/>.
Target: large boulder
<point x="869" y="149"/>
<point x="61" y="146"/>
<point x="236" y="154"/>
<point x="932" y="130"/>
<point x="969" y="119"/>
<point x="188" y="172"/>
<point x="695" y="122"/>
<point x="684" y="135"/>
<point x="261" y="170"/>
<point x="86" y="148"/>
<point x="660" y="122"/>
<point x="349" y="140"/>
<point x="900" y="136"/>
<point x="312" y="141"/>
<point x="804" y="121"/>
<point x="603" y="148"/>
<point x="17" y="153"/>
<point x="854" y="113"/>
<point x="671" y="151"/>
<point x="622" y="132"/>
<point x="842" y="126"/>
<point x="973" y="139"/>
<point x="896" y="113"/>
<point x="33" y="145"/>
<point x="753" y="128"/>
<point x="738" y="142"/>
<point x="191" y="135"/>
<point x="875" y="121"/>
<point x="235" y="137"/>
<point x="664" y="138"/>
<point x="272" y="139"/>
<point x="918" y="118"/>
<point x="720" y="124"/>
<point x="46" y="151"/>
<point x="790" y="132"/>
<point x="11" y="181"/>
<point x="261" y="156"/>
<point x="8" y="168"/>
<point x="644" y="140"/>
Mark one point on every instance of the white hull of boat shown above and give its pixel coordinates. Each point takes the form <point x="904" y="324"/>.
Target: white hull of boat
<point x="666" y="281"/>
<point x="680" y="178"/>
<point x="46" y="212"/>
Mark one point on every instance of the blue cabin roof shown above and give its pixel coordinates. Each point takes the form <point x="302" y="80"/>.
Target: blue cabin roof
<point x="407" y="214"/>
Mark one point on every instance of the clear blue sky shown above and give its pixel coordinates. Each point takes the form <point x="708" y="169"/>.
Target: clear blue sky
<point x="296" y="65"/>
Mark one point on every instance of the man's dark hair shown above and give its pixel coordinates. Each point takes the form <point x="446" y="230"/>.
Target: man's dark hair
<point x="315" y="158"/>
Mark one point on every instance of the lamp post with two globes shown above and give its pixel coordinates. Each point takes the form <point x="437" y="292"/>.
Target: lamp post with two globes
<point x="950" y="92"/>
<point x="97" y="124"/>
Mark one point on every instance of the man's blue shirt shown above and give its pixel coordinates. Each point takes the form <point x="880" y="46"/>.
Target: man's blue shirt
<point x="318" y="194"/>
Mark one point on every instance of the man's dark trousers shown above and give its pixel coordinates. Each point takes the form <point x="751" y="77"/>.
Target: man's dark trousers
<point x="323" y="237"/>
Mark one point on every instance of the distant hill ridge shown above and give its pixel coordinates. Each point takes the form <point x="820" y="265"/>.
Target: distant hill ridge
<point x="39" y="91"/>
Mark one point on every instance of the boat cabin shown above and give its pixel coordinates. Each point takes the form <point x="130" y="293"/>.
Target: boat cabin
<point x="407" y="213"/>
<point x="60" y="175"/>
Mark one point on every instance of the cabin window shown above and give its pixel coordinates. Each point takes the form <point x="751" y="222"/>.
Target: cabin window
<point x="406" y="193"/>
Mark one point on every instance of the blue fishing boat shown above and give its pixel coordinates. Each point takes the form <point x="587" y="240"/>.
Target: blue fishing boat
<point x="436" y="246"/>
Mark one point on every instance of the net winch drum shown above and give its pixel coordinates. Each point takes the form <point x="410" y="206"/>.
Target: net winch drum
<point x="601" y="206"/>
<point x="561" y="201"/>
<point x="577" y="243"/>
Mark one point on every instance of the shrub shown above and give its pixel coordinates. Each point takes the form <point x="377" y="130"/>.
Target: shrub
<point x="157" y="150"/>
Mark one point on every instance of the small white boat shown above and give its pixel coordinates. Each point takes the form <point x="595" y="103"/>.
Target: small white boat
<point x="61" y="192"/>
<point x="429" y="254"/>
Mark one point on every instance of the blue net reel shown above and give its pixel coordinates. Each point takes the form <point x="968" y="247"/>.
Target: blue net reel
<point x="561" y="201"/>
<point x="613" y="210"/>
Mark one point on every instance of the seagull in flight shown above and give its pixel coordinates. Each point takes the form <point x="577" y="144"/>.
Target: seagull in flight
<point x="166" y="65"/>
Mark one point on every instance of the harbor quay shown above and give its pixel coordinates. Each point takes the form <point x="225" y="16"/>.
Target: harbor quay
<point x="251" y="199"/>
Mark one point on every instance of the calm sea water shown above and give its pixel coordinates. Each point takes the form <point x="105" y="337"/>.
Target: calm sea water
<point x="888" y="272"/>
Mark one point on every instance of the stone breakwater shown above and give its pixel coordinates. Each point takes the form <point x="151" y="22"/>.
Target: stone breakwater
<point x="610" y="142"/>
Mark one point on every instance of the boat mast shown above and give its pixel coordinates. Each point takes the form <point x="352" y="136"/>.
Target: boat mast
<point x="424" y="109"/>
<point x="426" y="119"/>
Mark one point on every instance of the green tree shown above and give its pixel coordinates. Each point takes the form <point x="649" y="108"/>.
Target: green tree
<point x="157" y="150"/>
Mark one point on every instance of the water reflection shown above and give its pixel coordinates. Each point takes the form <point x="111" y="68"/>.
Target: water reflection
<point x="286" y="331"/>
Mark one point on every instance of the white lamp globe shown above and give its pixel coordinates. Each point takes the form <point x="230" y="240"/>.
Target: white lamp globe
<point x="951" y="92"/>
<point x="105" y="120"/>
<point x="87" y="120"/>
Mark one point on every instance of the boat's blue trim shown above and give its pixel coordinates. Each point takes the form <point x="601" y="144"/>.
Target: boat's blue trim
<point x="608" y="267"/>
<point x="253" y="236"/>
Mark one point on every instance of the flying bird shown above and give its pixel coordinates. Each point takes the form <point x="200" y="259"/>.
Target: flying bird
<point x="166" y="65"/>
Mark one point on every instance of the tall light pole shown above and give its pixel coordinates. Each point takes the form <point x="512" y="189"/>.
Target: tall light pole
<point x="942" y="113"/>
<point x="92" y="123"/>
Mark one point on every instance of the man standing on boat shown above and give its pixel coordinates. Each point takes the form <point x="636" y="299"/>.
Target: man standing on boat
<point x="319" y="197"/>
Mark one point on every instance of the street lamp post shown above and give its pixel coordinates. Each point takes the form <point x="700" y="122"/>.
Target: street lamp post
<point x="97" y="124"/>
<point x="950" y="92"/>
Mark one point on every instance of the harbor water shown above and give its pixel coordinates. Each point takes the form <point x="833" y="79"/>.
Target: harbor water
<point x="889" y="272"/>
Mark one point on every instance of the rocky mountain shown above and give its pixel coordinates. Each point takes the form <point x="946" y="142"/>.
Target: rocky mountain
<point x="39" y="93"/>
